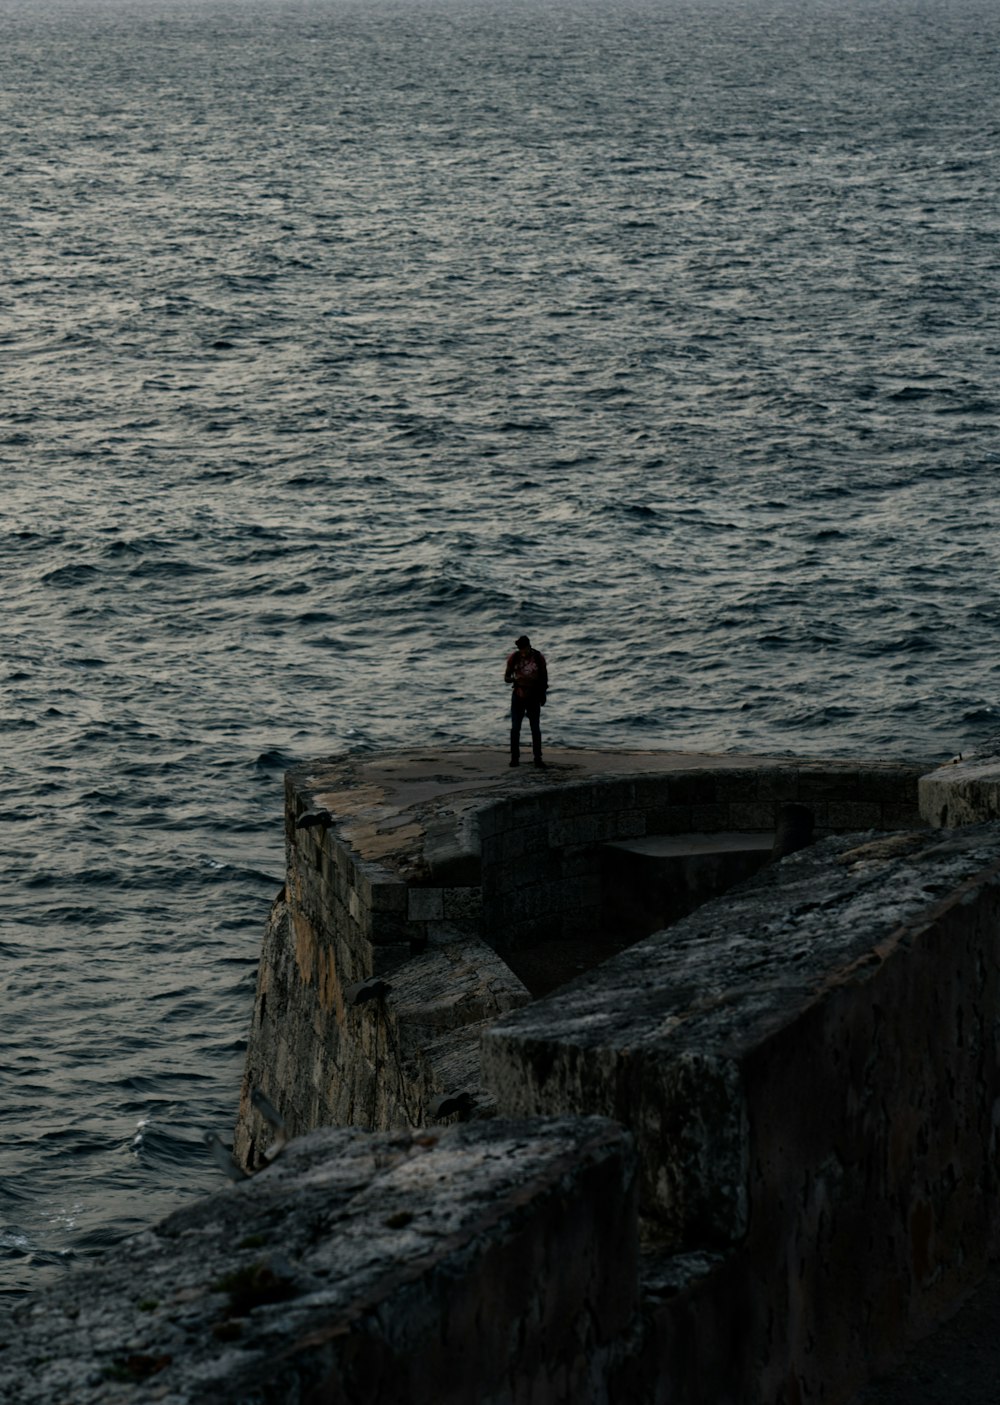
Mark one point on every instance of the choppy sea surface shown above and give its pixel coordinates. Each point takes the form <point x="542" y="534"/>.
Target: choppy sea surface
<point x="342" y="342"/>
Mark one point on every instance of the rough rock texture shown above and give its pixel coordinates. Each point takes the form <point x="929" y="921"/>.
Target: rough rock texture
<point x="963" y="792"/>
<point x="377" y="1063"/>
<point x="811" y="1069"/>
<point x="492" y="1263"/>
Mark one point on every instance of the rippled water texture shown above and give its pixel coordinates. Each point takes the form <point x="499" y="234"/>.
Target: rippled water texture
<point x="342" y="342"/>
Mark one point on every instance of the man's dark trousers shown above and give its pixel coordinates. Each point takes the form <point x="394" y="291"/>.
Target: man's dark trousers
<point x="519" y="709"/>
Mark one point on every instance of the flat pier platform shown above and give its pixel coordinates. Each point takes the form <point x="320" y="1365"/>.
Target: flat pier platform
<point x="407" y="808"/>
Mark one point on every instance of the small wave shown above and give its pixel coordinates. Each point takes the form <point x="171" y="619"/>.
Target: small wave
<point x="79" y="574"/>
<point x="75" y="1141"/>
<point x="316" y="617"/>
<point x="137" y="546"/>
<point x="524" y="427"/>
<point x="419" y="436"/>
<point x="150" y="570"/>
<point x="984" y="713"/>
<point x="14" y="1242"/>
<point x="165" y="1146"/>
<point x="913" y="392"/>
<point x="981" y="406"/>
<point x="275" y="760"/>
<point x="918" y="642"/>
<point x="309" y="480"/>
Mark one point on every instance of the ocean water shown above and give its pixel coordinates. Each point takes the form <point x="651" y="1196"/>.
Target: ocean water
<point x="342" y="342"/>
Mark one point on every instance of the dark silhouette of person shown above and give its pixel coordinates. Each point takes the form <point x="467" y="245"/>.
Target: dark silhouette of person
<point x="527" y="672"/>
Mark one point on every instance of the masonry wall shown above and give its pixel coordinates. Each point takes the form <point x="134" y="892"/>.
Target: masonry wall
<point x="540" y="853"/>
<point x="537" y="857"/>
<point x="811" y="1070"/>
<point x="344" y="920"/>
<point x="324" y="1052"/>
<point x="802" y="1082"/>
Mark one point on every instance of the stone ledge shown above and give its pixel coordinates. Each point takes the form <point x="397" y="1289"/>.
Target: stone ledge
<point x="409" y="811"/>
<point x="963" y="792"/>
<point x="495" y="1262"/>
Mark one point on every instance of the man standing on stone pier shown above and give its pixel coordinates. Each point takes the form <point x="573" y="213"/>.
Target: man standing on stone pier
<point x="527" y="673"/>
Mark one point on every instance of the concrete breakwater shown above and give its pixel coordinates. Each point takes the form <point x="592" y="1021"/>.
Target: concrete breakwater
<point x="583" y="1156"/>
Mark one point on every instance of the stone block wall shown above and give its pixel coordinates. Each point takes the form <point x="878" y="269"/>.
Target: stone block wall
<point x="789" y="1098"/>
<point x="541" y="869"/>
<point x="321" y="1050"/>
<point x="811" y="1070"/>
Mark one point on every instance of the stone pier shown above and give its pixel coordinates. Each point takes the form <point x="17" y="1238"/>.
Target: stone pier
<point x="629" y="1110"/>
<point x="467" y="888"/>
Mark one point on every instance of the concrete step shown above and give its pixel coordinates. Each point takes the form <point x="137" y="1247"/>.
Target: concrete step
<point x="651" y="882"/>
<point x="674" y="846"/>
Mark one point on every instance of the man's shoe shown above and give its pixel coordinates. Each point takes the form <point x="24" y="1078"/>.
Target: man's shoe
<point x="513" y="761"/>
<point x="540" y="764"/>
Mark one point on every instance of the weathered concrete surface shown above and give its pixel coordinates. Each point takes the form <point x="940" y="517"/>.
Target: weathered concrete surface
<point x="963" y="792"/>
<point x="497" y="1262"/>
<point x="811" y="1069"/>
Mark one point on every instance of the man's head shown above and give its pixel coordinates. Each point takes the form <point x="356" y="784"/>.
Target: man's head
<point x="524" y="643"/>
